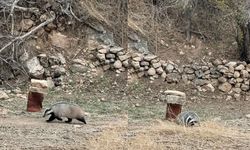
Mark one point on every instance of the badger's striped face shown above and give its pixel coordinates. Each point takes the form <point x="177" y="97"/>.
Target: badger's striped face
<point x="47" y="112"/>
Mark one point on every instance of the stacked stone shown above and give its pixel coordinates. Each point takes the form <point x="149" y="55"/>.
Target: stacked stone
<point x="113" y="57"/>
<point x="147" y="65"/>
<point x="235" y="77"/>
<point x="52" y="66"/>
<point x="200" y="75"/>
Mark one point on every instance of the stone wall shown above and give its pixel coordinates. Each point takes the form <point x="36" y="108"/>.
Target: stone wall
<point x="227" y="76"/>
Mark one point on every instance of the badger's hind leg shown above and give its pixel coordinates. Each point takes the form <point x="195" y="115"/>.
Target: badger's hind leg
<point x="58" y="118"/>
<point x="69" y="120"/>
<point x="82" y="120"/>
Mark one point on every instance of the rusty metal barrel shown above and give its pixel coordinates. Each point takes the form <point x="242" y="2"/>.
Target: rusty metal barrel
<point x="174" y="100"/>
<point x="37" y="91"/>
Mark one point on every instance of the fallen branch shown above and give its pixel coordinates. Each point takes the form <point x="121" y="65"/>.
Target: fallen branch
<point x="30" y="32"/>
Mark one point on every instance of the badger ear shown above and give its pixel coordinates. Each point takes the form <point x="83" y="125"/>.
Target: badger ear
<point x="46" y="112"/>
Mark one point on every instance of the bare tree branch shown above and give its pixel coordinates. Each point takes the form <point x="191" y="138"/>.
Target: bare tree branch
<point x="30" y="32"/>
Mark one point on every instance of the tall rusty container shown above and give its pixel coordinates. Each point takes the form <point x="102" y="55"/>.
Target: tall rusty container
<point x="37" y="91"/>
<point x="174" y="100"/>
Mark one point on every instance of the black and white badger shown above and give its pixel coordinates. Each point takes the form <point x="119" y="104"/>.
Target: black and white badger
<point x="63" y="109"/>
<point x="188" y="119"/>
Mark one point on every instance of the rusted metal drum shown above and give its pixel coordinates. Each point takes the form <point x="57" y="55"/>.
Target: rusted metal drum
<point x="172" y="111"/>
<point x="35" y="101"/>
<point x="37" y="91"/>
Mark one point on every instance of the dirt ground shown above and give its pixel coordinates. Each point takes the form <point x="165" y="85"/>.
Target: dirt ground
<point x="124" y="117"/>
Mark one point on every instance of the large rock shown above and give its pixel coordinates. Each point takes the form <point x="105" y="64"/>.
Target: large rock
<point x="144" y="63"/>
<point x="115" y="49"/>
<point x="240" y="67"/>
<point x="151" y="71"/>
<point x="156" y="65"/>
<point x="110" y="56"/>
<point x="34" y="68"/>
<point x="169" y="68"/>
<point x="217" y="62"/>
<point x="125" y="63"/>
<point x="236" y="74"/>
<point x="225" y="87"/>
<point x="244" y="87"/>
<point x="39" y="86"/>
<point x="174" y="97"/>
<point x="100" y="56"/>
<point x="159" y="70"/>
<point x="149" y="57"/>
<point x="103" y="50"/>
<point x="222" y="79"/>
<point x="244" y="73"/>
<point x="3" y="95"/>
<point x="118" y="64"/>
<point x="135" y="64"/>
<point x="123" y="57"/>
<point x="231" y="63"/>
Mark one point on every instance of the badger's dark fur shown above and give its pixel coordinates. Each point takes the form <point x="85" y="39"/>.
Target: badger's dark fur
<point x="63" y="109"/>
<point x="188" y="118"/>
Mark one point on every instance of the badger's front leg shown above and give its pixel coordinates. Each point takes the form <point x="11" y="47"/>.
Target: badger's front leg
<point x="51" y="118"/>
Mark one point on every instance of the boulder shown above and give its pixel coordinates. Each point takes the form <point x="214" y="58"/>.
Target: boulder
<point x="244" y="87"/>
<point x="125" y="63"/>
<point x="109" y="55"/>
<point x="159" y="70"/>
<point x="151" y="71"/>
<point x="123" y="57"/>
<point x="116" y="49"/>
<point x="100" y="56"/>
<point x="34" y="68"/>
<point x="169" y="68"/>
<point x="240" y="67"/>
<point x="222" y="79"/>
<point x="103" y="50"/>
<point x="225" y="87"/>
<point x="244" y="73"/>
<point x="118" y="64"/>
<point x="39" y="86"/>
<point x="236" y="74"/>
<point x="149" y="57"/>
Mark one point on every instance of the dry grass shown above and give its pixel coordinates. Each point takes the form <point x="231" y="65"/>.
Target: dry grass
<point x="162" y="135"/>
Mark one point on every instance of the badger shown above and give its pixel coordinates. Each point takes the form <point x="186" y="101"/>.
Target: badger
<point x="63" y="109"/>
<point x="188" y="119"/>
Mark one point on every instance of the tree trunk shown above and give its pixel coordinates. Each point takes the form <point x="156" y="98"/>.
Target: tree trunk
<point x="243" y="41"/>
